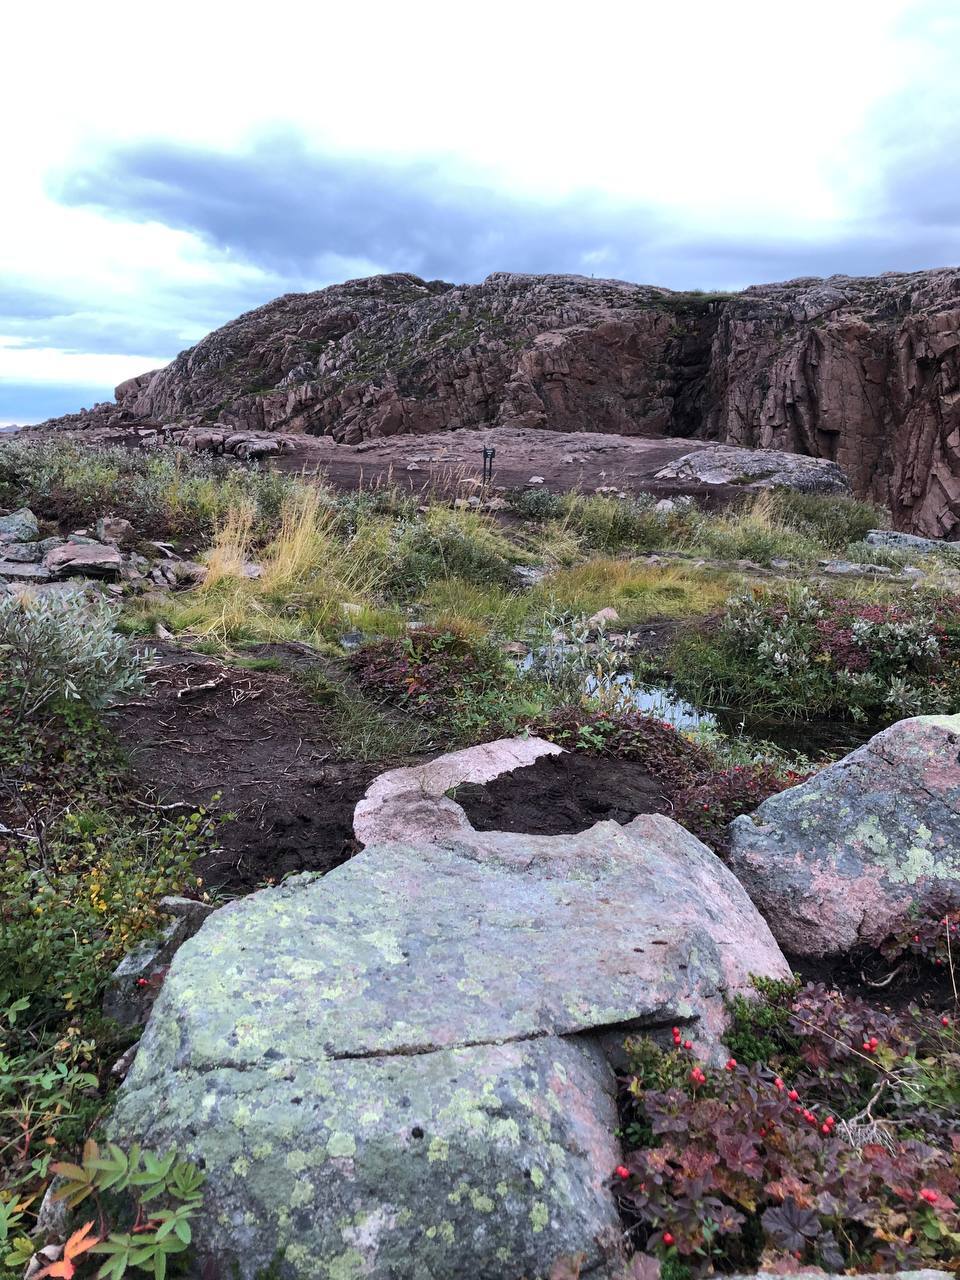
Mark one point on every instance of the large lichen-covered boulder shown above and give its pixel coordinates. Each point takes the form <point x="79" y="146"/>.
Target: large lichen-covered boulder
<point x="843" y="859"/>
<point x="756" y="469"/>
<point x="397" y="1070"/>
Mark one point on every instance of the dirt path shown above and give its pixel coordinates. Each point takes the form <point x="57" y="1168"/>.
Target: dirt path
<point x="256" y="739"/>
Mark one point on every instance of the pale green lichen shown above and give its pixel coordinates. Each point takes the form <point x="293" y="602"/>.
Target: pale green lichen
<point x="439" y="1149"/>
<point x="539" y="1217"/>
<point x="341" y="1144"/>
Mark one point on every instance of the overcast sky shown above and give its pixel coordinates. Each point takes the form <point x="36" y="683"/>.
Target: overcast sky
<point x="170" y="166"/>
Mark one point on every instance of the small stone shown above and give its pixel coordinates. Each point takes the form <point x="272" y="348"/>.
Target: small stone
<point x="114" y="529"/>
<point x="535" y="480"/>
<point x="602" y="617"/>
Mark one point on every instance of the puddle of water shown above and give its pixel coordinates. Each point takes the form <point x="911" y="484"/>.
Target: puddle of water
<point x="660" y="703"/>
<point x="808" y="737"/>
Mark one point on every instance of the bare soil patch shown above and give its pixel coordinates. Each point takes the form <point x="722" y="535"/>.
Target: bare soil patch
<point x="563" y="794"/>
<point x="257" y="741"/>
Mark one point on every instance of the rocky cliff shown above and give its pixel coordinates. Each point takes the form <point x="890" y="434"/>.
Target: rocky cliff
<point x="865" y="372"/>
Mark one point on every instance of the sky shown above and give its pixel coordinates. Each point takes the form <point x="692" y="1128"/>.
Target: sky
<point x="168" y="167"/>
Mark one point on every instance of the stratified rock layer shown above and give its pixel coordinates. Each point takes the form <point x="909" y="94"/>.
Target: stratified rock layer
<point x="842" y="860"/>
<point x="863" y="372"/>
<point x="397" y="1070"/>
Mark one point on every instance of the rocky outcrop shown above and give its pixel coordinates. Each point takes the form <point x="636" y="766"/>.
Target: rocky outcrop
<point x="861" y="372"/>
<point x="842" y="860"/>
<point x="756" y="469"/>
<point x="400" y="1069"/>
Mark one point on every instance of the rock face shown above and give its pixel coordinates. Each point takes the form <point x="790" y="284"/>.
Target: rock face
<point x="862" y="372"/>
<point x="842" y="859"/>
<point x="397" y="1070"/>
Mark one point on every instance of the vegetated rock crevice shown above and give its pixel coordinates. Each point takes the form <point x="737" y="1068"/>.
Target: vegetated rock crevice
<point x="864" y="372"/>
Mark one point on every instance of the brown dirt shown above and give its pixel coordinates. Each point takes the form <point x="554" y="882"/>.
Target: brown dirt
<point x="563" y="794"/>
<point x="258" y="740"/>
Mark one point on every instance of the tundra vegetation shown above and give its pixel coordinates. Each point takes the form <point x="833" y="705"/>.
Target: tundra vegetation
<point x="417" y="625"/>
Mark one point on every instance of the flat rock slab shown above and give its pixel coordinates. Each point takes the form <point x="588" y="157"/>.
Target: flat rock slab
<point x="374" y="1066"/>
<point x="841" y="860"/>
<point x="92" y="559"/>
<point x="755" y="469"/>
<point x="411" y="804"/>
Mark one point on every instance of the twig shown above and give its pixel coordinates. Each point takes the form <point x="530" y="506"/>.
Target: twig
<point x="199" y="688"/>
<point x="883" y="982"/>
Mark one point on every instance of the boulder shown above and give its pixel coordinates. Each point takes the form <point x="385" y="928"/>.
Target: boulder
<point x="756" y="469"/>
<point x="114" y="529"/>
<point x="90" y="559"/>
<point x="893" y="540"/>
<point x="397" y="1069"/>
<point x="843" y="859"/>
<point x="19" y="526"/>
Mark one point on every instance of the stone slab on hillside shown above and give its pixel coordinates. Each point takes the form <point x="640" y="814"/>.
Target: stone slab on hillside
<point x="756" y="469"/>
<point x="91" y="559"/>
<point x="395" y="1070"/>
<point x="841" y="860"/>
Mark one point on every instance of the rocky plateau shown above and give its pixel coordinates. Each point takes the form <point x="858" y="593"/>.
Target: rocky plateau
<point x="862" y="372"/>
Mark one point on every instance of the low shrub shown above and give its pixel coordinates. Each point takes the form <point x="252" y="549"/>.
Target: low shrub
<point x="58" y="649"/>
<point x="800" y="655"/>
<point x="467" y="689"/>
<point x="832" y="520"/>
<point x="534" y="503"/>
<point x="163" y="492"/>
<point x="708" y="805"/>
<point x="612" y="524"/>
<point x="626" y="735"/>
<point x="828" y="1139"/>
<point x="445" y="544"/>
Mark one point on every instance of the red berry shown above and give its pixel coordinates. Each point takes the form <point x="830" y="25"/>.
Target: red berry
<point x="945" y="1020"/>
<point x="668" y="1238"/>
<point x="916" y="937"/>
<point x="688" y="1044"/>
<point x="867" y="1047"/>
<point x="825" y="1128"/>
<point x="622" y="1171"/>
<point x="731" y="1064"/>
<point x="793" y="1095"/>
<point x="929" y="1195"/>
<point x="675" y="1032"/>
<point x="778" y="1083"/>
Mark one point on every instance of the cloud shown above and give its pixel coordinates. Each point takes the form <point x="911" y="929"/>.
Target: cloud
<point x="304" y="216"/>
